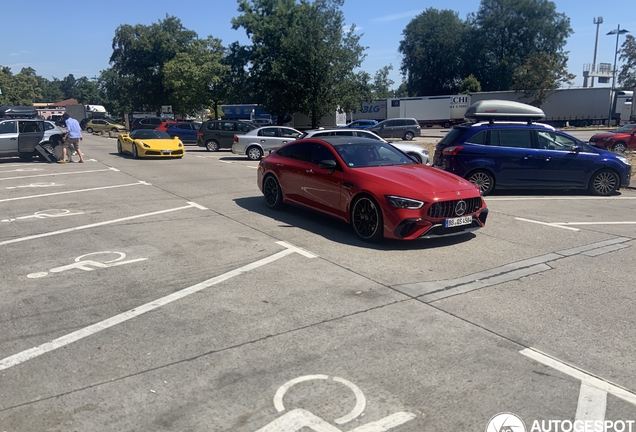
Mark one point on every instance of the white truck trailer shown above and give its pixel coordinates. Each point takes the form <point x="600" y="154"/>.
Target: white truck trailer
<point x="573" y="106"/>
<point x="443" y="111"/>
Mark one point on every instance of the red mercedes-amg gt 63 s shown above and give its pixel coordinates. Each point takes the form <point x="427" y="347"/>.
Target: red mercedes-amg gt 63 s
<point x="373" y="186"/>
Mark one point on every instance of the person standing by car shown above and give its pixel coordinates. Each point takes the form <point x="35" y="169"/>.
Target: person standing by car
<point x="73" y="136"/>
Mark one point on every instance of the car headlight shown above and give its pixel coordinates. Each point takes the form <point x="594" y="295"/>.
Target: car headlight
<point x="144" y="144"/>
<point x="608" y="139"/>
<point x="180" y="144"/>
<point x="404" y="203"/>
<point x="623" y="159"/>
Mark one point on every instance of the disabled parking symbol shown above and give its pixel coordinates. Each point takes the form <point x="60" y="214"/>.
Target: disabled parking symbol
<point x="299" y="418"/>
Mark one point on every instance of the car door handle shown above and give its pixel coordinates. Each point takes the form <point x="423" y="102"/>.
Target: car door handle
<point x="13" y="139"/>
<point x="262" y="140"/>
<point x="309" y="171"/>
<point x="280" y="165"/>
<point x="526" y="157"/>
<point x="548" y="159"/>
<point x="347" y="185"/>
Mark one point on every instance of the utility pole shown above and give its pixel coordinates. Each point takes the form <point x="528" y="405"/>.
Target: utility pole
<point x="598" y="21"/>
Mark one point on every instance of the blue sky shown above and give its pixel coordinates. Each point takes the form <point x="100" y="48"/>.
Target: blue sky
<point x="75" y="36"/>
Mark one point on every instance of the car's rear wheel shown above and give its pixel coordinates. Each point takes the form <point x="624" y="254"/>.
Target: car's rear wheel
<point x="604" y="183"/>
<point x="135" y="152"/>
<point x="114" y="129"/>
<point x="212" y="145"/>
<point x="408" y="136"/>
<point x="89" y="130"/>
<point x="272" y="192"/>
<point x="619" y="147"/>
<point x="254" y="153"/>
<point x="447" y="125"/>
<point x="366" y="219"/>
<point x="483" y="180"/>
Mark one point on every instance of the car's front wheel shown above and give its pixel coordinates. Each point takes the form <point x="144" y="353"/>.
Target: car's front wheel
<point x="408" y="136"/>
<point x="366" y="219"/>
<point x="254" y="153"/>
<point x="272" y="192"/>
<point x="604" y="183"/>
<point x="89" y="130"/>
<point x="483" y="180"/>
<point x="619" y="147"/>
<point x="135" y="152"/>
<point x="120" y="151"/>
<point x="415" y="157"/>
<point x="212" y="146"/>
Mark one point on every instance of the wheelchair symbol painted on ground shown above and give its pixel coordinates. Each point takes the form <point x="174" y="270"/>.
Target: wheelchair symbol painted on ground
<point x="89" y="264"/>
<point x="298" y="419"/>
<point x="43" y="214"/>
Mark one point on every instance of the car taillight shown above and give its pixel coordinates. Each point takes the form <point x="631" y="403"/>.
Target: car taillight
<point x="452" y="150"/>
<point x="200" y="133"/>
<point x="235" y="138"/>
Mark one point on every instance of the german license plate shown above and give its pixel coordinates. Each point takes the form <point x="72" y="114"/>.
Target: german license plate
<point x="166" y="151"/>
<point x="466" y="220"/>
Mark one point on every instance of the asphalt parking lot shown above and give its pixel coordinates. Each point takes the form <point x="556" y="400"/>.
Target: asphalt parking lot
<point x="164" y="295"/>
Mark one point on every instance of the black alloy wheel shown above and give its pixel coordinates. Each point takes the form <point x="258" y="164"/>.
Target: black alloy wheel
<point x="366" y="219"/>
<point x="272" y="192"/>
<point x="135" y="152"/>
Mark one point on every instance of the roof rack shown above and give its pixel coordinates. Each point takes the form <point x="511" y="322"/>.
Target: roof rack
<point x="493" y="109"/>
<point x="10" y="111"/>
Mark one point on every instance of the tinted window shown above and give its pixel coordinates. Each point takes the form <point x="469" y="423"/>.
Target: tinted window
<point x="48" y="126"/>
<point x="212" y="126"/>
<point x="300" y="151"/>
<point x="31" y="126"/>
<point x="411" y="122"/>
<point x="519" y="138"/>
<point x="478" y="138"/>
<point x="183" y="126"/>
<point x="320" y="153"/>
<point x="390" y="123"/>
<point x="400" y="122"/>
<point x="452" y="136"/>
<point x="367" y="135"/>
<point x="227" y="126"/>
<point x="342" y="133"/>
<point x="244" y="127"/>
<point x="149" y="134"/>
<point x="8" y="127"/>
<point x="371" y="154"/>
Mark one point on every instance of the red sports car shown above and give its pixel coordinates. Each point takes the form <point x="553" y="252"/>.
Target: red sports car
<point x="623" y="138"/>
<point x="373" y="186"/>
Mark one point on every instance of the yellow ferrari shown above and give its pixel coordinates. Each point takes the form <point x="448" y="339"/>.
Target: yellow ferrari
<point x="150" y="143"/>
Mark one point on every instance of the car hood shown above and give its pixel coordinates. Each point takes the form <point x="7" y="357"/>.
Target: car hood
<point x="159" y="143"/>
<point x="418" y="181"/>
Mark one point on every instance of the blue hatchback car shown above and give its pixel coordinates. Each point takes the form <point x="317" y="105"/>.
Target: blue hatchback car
<point x="505" y="148"/>
<point x="186" y="131"/>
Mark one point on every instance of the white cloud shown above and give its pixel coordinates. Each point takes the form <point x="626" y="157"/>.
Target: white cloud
<point x="395" y="17"/>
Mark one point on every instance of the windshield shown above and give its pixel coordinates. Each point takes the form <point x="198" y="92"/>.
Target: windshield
<point x="150" y="134"/>
<point x="361" y="155"/>
<point x="625" y="129"/>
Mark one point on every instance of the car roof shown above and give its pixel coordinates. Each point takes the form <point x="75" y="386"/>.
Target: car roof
<point x="343" y="140"/>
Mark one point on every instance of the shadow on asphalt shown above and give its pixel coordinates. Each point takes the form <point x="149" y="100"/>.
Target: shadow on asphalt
<point x="337" y="230"/>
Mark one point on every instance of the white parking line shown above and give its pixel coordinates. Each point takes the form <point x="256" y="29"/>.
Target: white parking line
<point x="75" y="191"/>
<point x="548" y="224"/>
<point x="564" y="224"/>
<point x="108" y="222"/>
<point x="61" y="173"/>
<point x="128" y="315"/>
<point x="585" y="377"/>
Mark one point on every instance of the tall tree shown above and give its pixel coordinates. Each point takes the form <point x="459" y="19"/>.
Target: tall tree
<point x="432" y="52"/>
<point x="194" y="77"/>
<point x="627" y="75"/>
<point x="470" y="84"/>
<point x="140" y="53"/>
<point x="301" y="57"/>
<point x="381" y="87"/>
<point x="20" y="89"/>
<point x="507" y="32"/>
<point x="540" y="76"/>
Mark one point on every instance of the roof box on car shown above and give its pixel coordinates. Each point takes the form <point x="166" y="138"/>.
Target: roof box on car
<point x="503" y="110"/>
<point x="18" y="111"/>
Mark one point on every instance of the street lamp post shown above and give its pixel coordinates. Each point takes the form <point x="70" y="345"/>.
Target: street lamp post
<point x="618" y="31"/>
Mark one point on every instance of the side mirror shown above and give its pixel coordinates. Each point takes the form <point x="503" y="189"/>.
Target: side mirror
<point x="577" y="149"/>
<point x="328" y="164"/>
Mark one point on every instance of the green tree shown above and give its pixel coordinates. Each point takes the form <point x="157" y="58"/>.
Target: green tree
<point x="115" y="92"/>
<point x="301" y="57"/>
<point x="432" y="52"/>
<point x="627" y="74"/>
<point x="51" y="90"/>
<point x="470" y="84"/>
<point x="381" y="87"/>
<point x="194" y="77"/>
<point x="505" y="33"/>
<point x="22" y="88"/>
<point x="140" y="53"/>
<point x="69" y="87"/>
<point x="540" y="76"/>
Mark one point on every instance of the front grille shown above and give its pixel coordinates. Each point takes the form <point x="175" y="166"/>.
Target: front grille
<point x="446" y="209"/>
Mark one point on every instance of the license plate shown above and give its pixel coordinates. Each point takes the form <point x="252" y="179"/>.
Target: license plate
<point x="166" y="151"/>
<point x="466" y="220"/>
